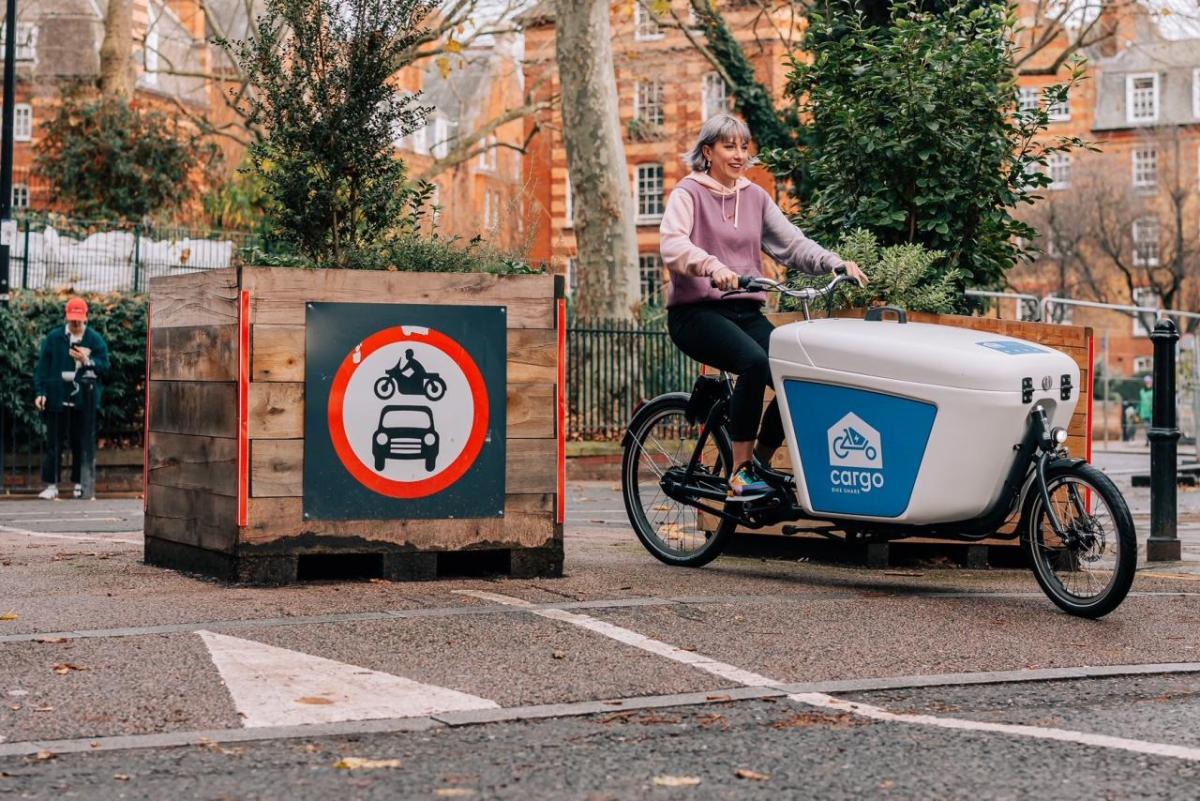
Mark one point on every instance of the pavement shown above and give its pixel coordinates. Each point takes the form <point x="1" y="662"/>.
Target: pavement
<point x="625" y="678"/>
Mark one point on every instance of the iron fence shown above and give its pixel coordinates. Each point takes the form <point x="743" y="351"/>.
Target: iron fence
<point x="613" y="366"/>
<point x="102" y="256"/>
<point x="21" y="446"/>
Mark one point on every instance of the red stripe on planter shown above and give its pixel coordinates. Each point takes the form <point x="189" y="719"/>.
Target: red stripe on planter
<point x="146" y="423"/>
<point x="243" y="447"/>
<point x="1091" y="390"/>
<point x="561" y="503"/>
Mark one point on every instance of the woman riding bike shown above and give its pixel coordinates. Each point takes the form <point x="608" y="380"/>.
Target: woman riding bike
<point x="714" y="230"/>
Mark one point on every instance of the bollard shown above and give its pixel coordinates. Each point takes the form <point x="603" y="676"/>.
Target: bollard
<point x="1163" y="545"/>
<point x="87" y="436"/>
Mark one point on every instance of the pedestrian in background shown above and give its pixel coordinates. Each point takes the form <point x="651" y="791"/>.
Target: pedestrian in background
<point x="65" y="352"/>
<point x="1146" y="401"/>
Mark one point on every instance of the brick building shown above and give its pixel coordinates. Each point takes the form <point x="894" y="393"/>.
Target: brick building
<point x="666" y="89"/>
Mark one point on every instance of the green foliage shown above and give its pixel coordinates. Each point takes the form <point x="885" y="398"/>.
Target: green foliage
<point x="106" y="160"/>
<point x="914" y="133"/>
<point x="323" y="71"/>
<point x="119" y="318"/>
<point x="414" y="253"/>
<point x="906" y="275"/>
<point x="237" y="204"/>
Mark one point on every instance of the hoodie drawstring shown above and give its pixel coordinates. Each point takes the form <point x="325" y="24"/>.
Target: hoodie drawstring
<point x="737" y="203"/>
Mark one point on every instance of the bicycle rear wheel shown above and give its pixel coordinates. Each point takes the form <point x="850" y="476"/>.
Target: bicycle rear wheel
<point x="660" y="438"/>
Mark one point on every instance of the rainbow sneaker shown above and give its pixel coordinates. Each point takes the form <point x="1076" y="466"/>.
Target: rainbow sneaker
<point x="746" y="485"/>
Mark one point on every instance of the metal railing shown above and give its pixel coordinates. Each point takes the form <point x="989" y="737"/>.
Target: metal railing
<point x="21" y="445"/>
<point x="613" y="366"/>
<point x="102" y="256"/>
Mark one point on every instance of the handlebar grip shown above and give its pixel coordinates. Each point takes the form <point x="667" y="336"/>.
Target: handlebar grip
<point x="743" y="281"/>
<point x="839" y="270"/>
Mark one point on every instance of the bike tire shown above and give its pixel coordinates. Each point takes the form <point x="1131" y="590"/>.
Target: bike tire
<point x="649" y="529"/>
<point x="1043" y="556"/>
<point x="435" y="388"/>
<point x="384" y="388"/>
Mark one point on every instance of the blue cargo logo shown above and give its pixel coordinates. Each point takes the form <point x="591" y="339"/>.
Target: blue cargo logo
<point x="855" y="456"/>
<point x="1012" y="347"/>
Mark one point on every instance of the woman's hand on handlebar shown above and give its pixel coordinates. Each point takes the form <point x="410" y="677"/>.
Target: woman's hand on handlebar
<point x="724" y="279"/>
<point x="854" y="271"/>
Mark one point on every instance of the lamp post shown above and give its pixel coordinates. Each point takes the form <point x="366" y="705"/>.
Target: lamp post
<point x="7" y="229"/>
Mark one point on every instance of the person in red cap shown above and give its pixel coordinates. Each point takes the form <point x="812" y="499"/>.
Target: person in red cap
<point x="64" y="352"/>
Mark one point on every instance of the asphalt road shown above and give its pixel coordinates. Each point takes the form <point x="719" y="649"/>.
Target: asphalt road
<point x="623" y="679"/>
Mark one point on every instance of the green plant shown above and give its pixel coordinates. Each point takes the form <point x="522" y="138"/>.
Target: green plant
<point x="119" y="318"/>
<point x="914" y="134"/>
<point x="413" y="253"/>
<point x="907" y="276"/>
<point x="327" y="102"/>
<point x="106" y="160"/>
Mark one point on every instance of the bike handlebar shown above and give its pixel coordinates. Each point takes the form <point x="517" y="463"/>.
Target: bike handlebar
<point x="758" y="283"/>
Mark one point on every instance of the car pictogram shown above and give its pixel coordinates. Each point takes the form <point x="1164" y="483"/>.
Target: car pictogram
<point x="405" y="432"/>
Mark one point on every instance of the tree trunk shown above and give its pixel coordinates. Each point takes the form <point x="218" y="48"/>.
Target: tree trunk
<point x="605" y="233"/>
<point x="116" y="52"/>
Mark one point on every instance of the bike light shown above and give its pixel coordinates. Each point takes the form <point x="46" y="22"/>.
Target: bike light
<point x="381" y="438"/>
<point x="1059" y="435"/>
<point x="430" y="438"/>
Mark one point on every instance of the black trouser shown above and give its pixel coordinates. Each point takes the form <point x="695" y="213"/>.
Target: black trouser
<point x="733" y="335"/>
<point x="68" y="422"/>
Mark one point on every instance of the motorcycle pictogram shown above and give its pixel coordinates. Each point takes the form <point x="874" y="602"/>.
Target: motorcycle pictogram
<point x="409" y="377"/>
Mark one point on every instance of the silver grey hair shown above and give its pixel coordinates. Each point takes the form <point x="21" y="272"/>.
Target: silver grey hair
<point x="716" y="128"/>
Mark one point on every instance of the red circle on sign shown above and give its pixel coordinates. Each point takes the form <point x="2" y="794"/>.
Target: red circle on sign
<point x="337" y="427"/>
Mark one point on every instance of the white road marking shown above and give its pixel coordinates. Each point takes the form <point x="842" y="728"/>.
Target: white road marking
<point x="76" y="520"/>
<point x="55" y="535"/>
<point x="1016" y="729"/>
<point x="824" y="701"/>
<point x="273" y="686"/>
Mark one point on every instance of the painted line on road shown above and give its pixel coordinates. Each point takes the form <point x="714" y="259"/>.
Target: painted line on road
<point x="58" y="535"/>
<point x="823" y="700"/>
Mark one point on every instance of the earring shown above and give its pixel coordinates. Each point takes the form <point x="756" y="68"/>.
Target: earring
<point x="707" y="164"/>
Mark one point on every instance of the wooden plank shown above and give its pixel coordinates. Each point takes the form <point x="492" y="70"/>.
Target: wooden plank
<point x="278" y="294"/>
<point x="275" y="520"/>
<point x="276" y="468"/>
<point x="207" y="297"/>
<point x="194" y="407"/>
<point x="531" y="465"/>
<point x="192" y="517"/>
<point x="531" y="411"/>
<point x="277" y="353"/>
<point x="532" y="356"/>
<point x="193" y="353"/>
<point x="190" y="462"/>
<point x="276" y="410"/>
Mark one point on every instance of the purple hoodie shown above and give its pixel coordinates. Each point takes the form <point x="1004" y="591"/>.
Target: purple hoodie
<point x="707" y="226"/>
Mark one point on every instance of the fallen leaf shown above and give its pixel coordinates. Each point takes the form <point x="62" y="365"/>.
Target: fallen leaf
<point x="121" y="777"/>
<point x="8" y="616"/>
<point x="752" y="775"/>
<point x="559" y="655"/>
<point x="315" y="700"/>
<point x="5" y="775"/>
<point x="53" y="640"/>
<point x="356" y="763"/>
<point x="66" y="667"/>
<point x="453" y="792"/>
<point x="717" y="698"/>
<point x="43" y="709"/>
<point x="676" y="781"/>
<point x="15" y="707"/>
<point x="45" y="756"/>
<point x="886" y="784"/>
<point x="912" y="573"/>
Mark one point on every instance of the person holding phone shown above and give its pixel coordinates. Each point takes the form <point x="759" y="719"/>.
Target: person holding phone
<point x="65" y="351"/>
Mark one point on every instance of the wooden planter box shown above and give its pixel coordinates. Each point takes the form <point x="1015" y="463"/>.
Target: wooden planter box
<point x="1075" y="341"/>
<point x="226" y="426"/>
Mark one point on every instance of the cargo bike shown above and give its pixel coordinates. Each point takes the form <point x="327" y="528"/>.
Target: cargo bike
<point x="894" y="429"/>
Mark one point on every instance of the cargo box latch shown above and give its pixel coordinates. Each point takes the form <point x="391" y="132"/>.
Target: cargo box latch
<point x="1066" y="387"/>
<point x="1026" y="390"/>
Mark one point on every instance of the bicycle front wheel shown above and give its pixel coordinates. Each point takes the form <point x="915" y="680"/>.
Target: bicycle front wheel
<point x="1089" y="572"/>
<point x="660" y="438"/>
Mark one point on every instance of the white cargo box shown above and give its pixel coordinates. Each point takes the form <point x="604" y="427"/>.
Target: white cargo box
<point x="910" y="422"/>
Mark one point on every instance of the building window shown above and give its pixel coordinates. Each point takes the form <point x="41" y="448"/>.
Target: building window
<point x="569" y="205"/>
<point x="1060" y="111"/>
<point x="645" y="26"/>
<point x="440" y="146"/>
<point x="487" y="156"/>
<point x="1145" y="297"/>
<point x="1143" y="364"/>
<point x="649" y="193"/>
<point x="22" y="122"/>
<point x="1059" y="166"/>
<point x="648" y="103"/>
<point x="650" y="270"/>
<point x="1145" y="168"/>
<point x="1145" y="242"/>
<point x="1141" y="97"/>
<point x="572" y="275"/>
<point x="491" y="209"/>
<point x="1027" y="99"/>
<point x="27" y="36"/>
<point x="150" y="51"/>
<point x="717" y="98"/>
<point x="20" y="196"/>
